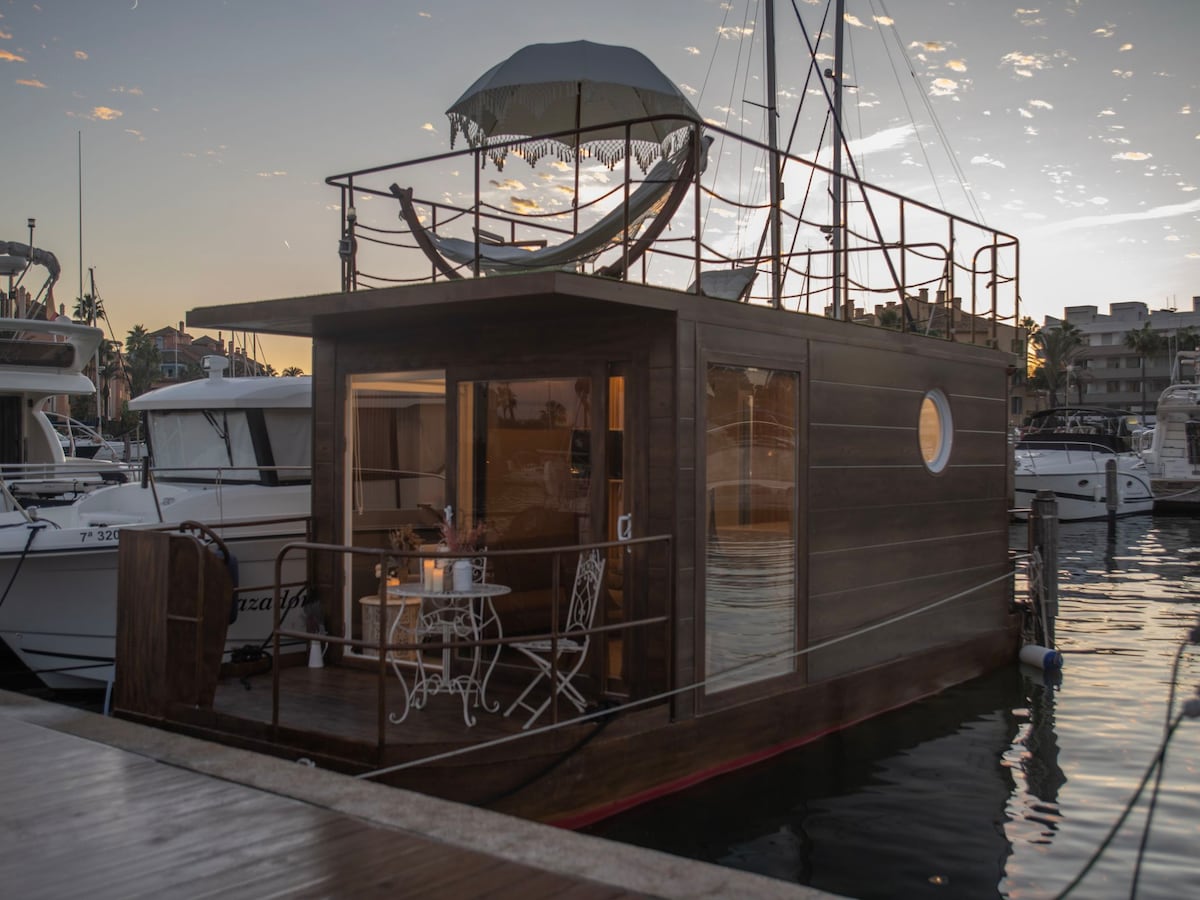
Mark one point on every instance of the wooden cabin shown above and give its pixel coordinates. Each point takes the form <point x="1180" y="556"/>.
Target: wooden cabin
<point x="816" y="515"/>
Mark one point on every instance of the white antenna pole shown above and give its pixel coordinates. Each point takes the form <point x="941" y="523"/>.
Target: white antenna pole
<point x="776" y="173"/>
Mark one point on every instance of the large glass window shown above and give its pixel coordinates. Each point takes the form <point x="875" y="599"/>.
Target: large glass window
<point x="750" y="551"/>
<point x="187" y="443"/>
<point x="396" y="475"/>
<point x="525" y="458"/>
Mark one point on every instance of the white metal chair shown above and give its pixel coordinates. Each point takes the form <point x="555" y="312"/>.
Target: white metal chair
<point x="548" y="655"/>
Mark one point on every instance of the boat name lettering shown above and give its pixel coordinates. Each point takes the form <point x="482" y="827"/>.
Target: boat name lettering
<point x="100" y="534"/>
<point x="263" y="602"/>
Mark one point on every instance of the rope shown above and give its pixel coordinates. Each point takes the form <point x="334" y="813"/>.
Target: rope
<point x="33" y="530"/>
<point x="654" y="698"/>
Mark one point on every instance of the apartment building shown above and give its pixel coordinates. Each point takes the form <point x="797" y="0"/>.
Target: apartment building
<point x="1107" y="373"/>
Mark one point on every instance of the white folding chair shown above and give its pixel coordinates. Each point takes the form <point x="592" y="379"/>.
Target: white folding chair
<point x="548" y="655"/>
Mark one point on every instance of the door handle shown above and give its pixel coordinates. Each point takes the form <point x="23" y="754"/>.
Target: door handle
<point x="625" y="527"/>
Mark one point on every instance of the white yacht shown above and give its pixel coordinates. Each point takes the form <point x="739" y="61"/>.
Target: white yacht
<point x="1066" y="450"/>
<point x="40" y="361"/>
<point x="230" y="453"/>
<point x="1173" y="457"/>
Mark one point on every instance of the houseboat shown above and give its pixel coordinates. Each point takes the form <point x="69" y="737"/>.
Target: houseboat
<point x="785" y="520"/>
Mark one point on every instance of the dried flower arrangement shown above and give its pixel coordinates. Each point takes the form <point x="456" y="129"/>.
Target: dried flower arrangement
<point x="458" y="540"/>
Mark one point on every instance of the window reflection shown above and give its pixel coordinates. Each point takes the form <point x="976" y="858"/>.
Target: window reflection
<point x="750" y="554"/>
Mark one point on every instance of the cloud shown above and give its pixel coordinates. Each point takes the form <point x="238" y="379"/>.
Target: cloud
<point x="30" y="82"/>
<point x="692" y="51"/>
<point x="1041" y="104"/>
<point x="424" y="15"/>
<point x="985" y="160"/>
<point x="136" y="91"/>
<point x="275" y="174"/>
<point x="732" y="32"/>
<point x="1124" y="48"/>
<point x="137" y="134"/>
<point x="943" y="87"/>
<point x="6" y="35"/>
<point x="508" y="184"/>
<point x="1024" y="64"/>
<point x="886" y="21"/>
<point x="1106" y="31"/>
<point x="105" y="113"/>
<point x="525" y="206"/>
<point x="929" y="46"/>
<point x="11" y="57"/>
<point x="428" y="126"/>
<point x="1171" y="211"/>
<point x="79" y="54"/>
<point x="1133" y="156"/>
<point x="956" y="65"/>
<point x="1122" y="73"/>
<point x="854" y="20"/>
<point x="888" y="139"/>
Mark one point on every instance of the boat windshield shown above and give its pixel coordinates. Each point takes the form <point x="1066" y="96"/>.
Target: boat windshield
<point x="230" y="445"/>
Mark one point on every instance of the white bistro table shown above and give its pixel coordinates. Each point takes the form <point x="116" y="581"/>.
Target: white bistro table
<point x="452" y="616"/>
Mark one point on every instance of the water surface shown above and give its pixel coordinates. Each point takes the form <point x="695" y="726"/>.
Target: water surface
<point x="1003" y="787"/>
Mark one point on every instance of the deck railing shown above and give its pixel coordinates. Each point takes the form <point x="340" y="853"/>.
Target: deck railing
<point x="385" y="651"/>
<point x="931" y="271"/>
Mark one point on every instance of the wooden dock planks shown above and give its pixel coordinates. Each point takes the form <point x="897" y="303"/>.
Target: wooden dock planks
<point x="83" y="819"/>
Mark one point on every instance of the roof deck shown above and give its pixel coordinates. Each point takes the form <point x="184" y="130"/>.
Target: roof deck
<point x="464" y="215"/>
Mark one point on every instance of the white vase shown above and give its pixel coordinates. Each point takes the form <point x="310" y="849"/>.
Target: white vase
<point x="462" y="575"/>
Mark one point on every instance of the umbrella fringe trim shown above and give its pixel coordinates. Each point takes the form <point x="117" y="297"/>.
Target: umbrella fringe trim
<point x="609" y="152"/>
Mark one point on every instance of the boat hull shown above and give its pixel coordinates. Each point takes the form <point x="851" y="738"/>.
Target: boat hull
<point x="578" y="773"/>
<point x="1081" y="490"/>
<point x="59" y="615"/>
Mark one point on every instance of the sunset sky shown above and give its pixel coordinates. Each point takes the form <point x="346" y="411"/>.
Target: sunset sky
<point x="208" y="127"/>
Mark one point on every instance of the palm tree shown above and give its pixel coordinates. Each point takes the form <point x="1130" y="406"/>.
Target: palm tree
<point x="89" y="308"/>
<point x="144" y="360"/>
<point x="110" y="359"/>
<point x="292" y="371"/>
<point x="1187" y="338"/>
<point x="1145" y="343"/>
<point x="1056" y="347"/>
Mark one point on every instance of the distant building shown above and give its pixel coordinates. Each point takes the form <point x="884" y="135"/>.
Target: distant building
<point x="180" y="354"/>
<point x="1107" y="373"/>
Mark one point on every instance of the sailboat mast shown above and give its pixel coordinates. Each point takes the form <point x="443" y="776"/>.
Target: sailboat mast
<point x="775" y="167"/>
<point x="839" y="223"/>
<point x="92" y="320"/>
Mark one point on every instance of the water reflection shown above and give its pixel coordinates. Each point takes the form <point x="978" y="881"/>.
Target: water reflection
<point x="1003" y="787"/>
<point x="846" y="813"/>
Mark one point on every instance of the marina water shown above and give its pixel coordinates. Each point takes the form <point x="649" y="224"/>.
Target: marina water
<point x="1003" y="787"/>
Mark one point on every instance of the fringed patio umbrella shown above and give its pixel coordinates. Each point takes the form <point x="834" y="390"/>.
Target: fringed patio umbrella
<point x="545" y="88"/>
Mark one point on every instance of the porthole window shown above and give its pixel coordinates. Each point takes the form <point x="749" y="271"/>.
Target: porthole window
<point x="935" y="430"/>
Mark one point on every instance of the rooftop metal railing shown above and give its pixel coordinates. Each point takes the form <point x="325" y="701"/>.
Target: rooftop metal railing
<point x="959" y="279"/>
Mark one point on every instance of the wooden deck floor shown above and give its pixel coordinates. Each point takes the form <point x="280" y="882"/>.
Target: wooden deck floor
<point x="80" y="819"/>
<point x="99" y="807"/>
<point x="343" y="701"/>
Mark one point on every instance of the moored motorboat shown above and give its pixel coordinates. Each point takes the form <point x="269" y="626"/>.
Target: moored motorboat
<point x="1173" y="456"/>
<point x="1067" y="452"/>
<point x="229" y="453"/>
